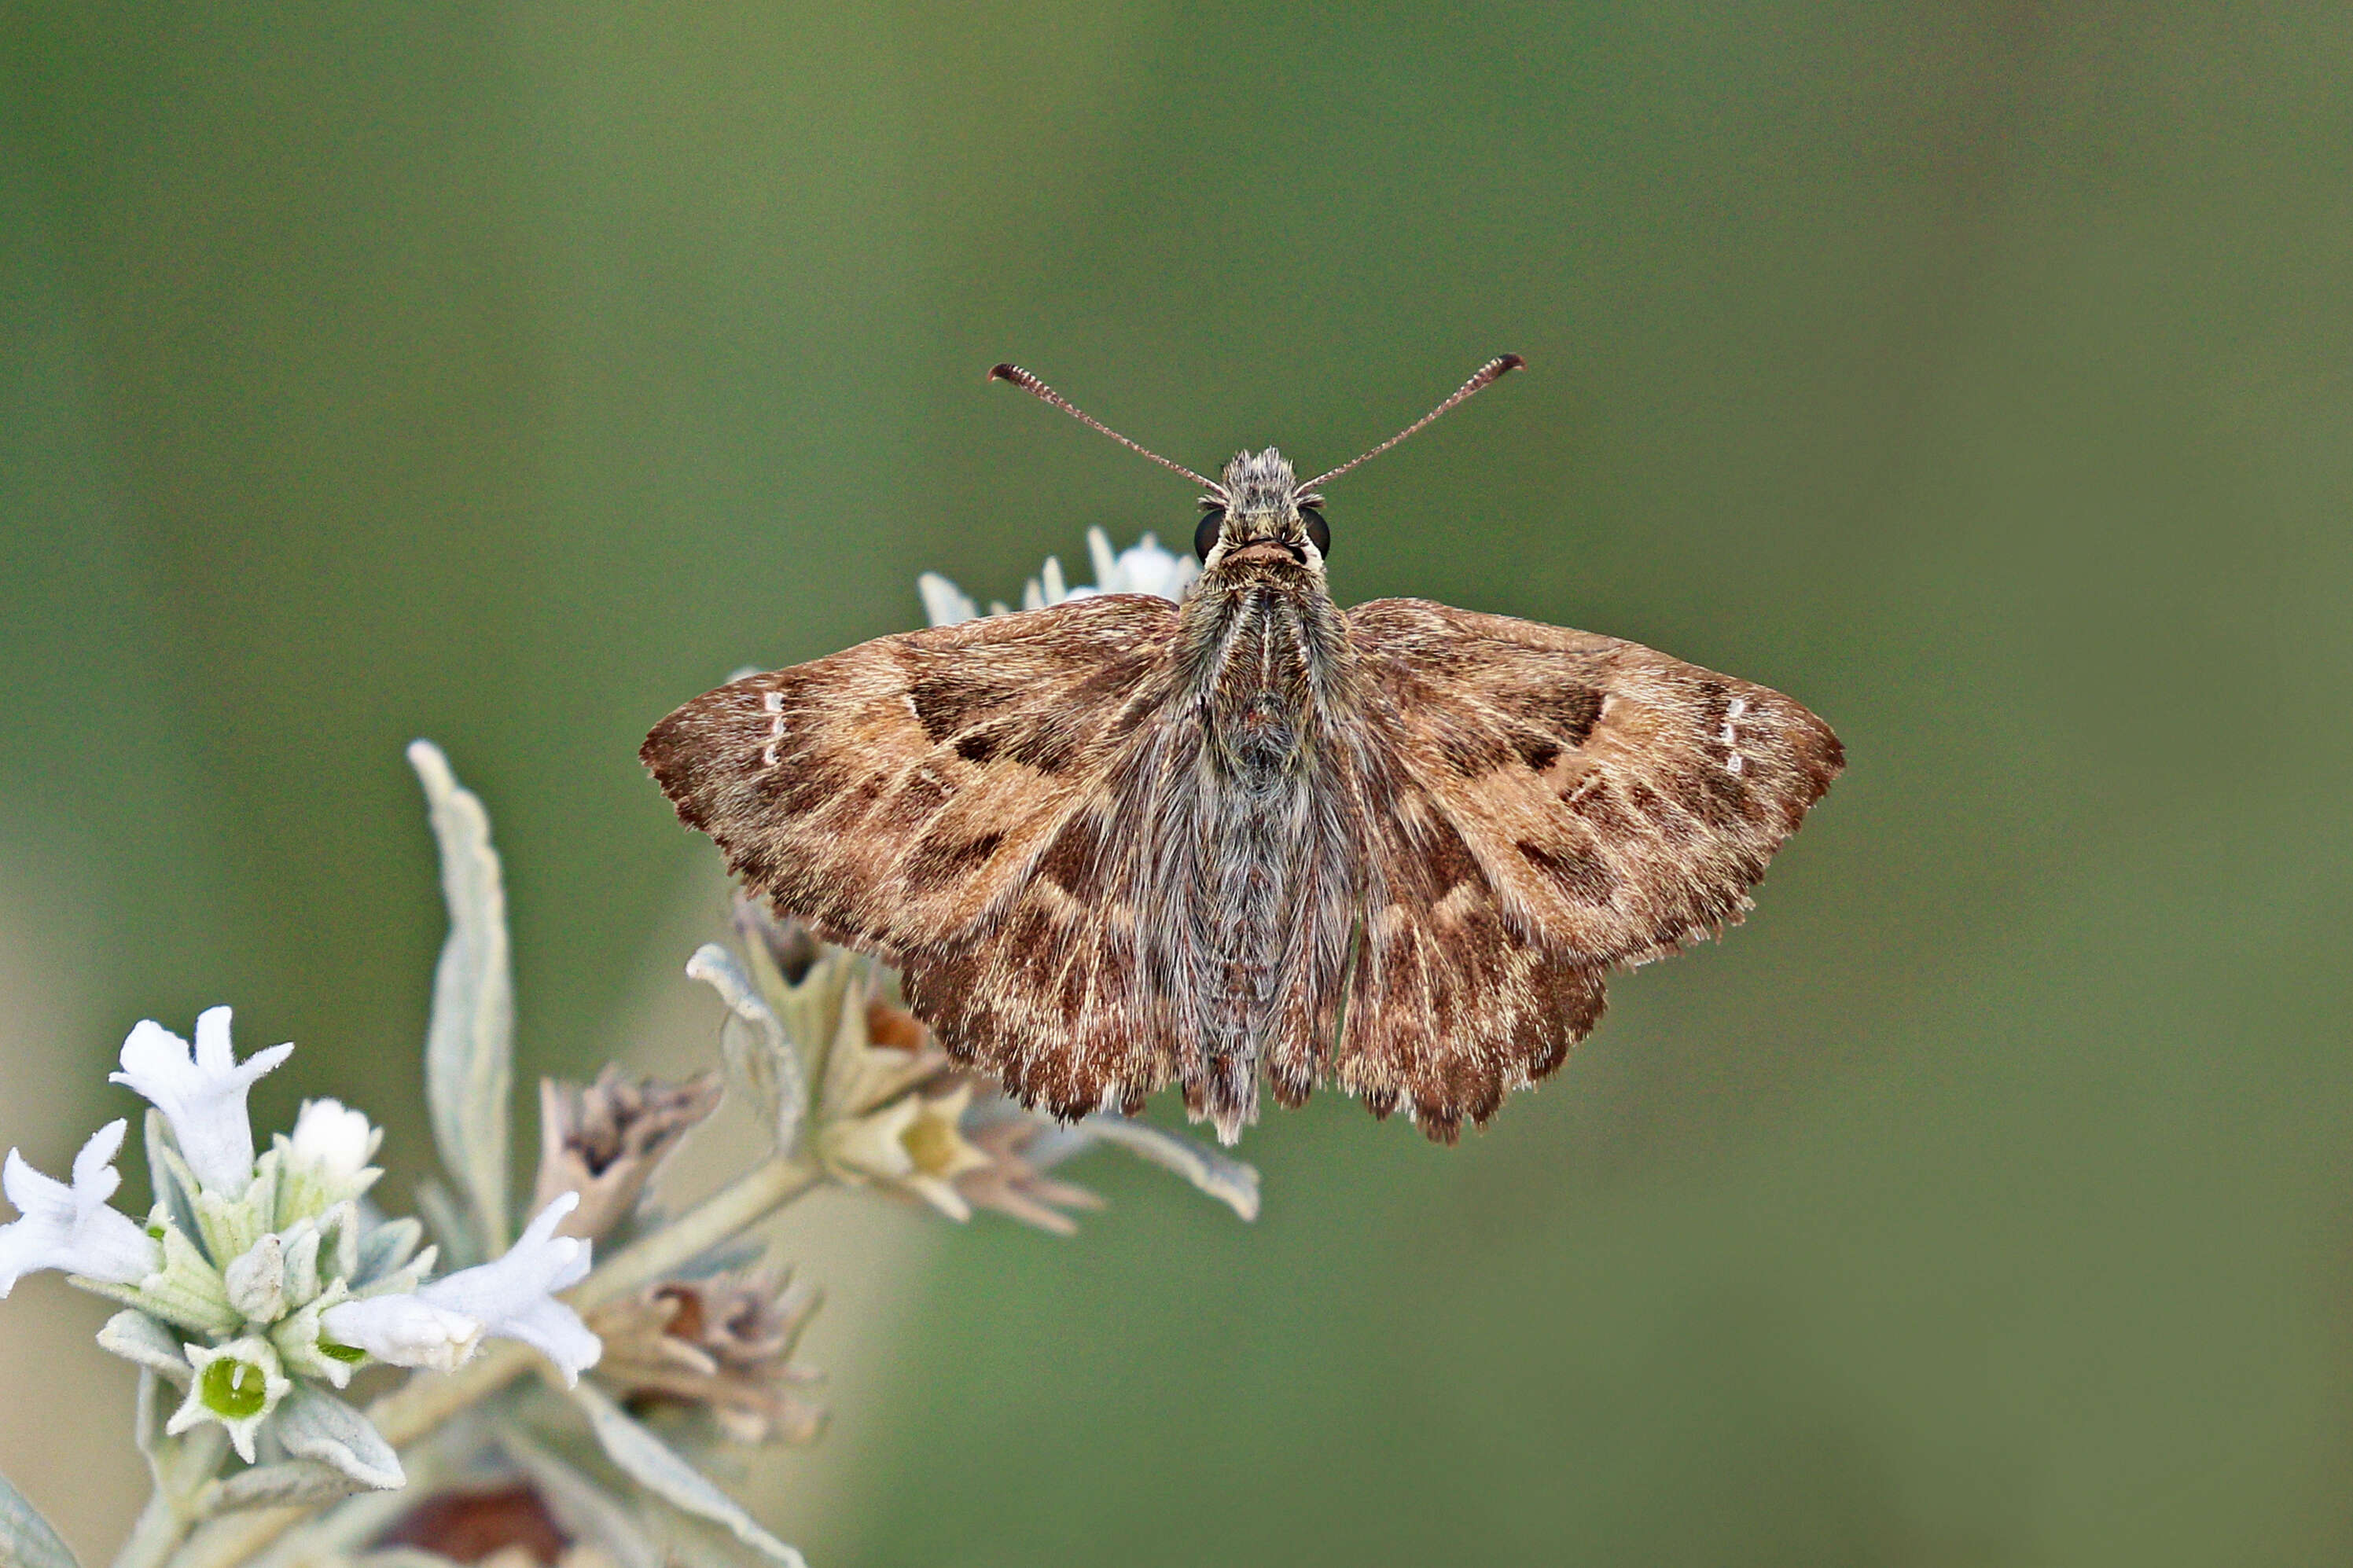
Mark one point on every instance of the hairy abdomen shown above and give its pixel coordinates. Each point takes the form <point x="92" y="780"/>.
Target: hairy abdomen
<point x="1252" y="841"/>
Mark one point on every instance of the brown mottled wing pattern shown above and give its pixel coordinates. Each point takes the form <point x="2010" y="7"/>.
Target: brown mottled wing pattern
<point x="937" y="797"/>
<point x="1553" y="802"/>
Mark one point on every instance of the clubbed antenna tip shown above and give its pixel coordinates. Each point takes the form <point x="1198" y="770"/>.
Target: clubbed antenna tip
<point x="1495" y="370"/>
<point x="1038" y="389"/>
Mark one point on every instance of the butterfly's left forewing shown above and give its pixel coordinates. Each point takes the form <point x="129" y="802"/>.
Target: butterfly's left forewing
<point x="1542" y="804"/>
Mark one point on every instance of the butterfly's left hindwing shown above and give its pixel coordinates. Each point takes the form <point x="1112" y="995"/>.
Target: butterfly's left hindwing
<point x="1619" y="803"/>
<point x="1542" y="804"/>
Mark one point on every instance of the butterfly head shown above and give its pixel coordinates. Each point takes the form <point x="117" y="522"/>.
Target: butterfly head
<point x="1258" y="512"/>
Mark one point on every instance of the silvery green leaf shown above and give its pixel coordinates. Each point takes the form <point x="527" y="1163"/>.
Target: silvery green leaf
<point x="1226" y="1179"/>
<point x="444" y="1214"/>
<point x="656" y="1467"/>
<point x="168" y="1175"/>
<point x="180" y="1465"/>
<point x="303" y="1281"/>
<point x="692" y="1543"/>
<point x="761" y="1060"/>
<point x="469" y="1043"/>
<point x="315" y="1425"/>
<point x="289" y="1483"/>
<point x="312" y="1423"/>
<point x="583" y="1508"/>
<point x="25" y="1539"/>
<point x="256" y="1281"/>
<point x="136" y="1337"/>
<point x="385" y="1248"/>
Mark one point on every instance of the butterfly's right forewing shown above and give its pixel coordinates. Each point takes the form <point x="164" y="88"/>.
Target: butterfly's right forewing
<point x="898" y="794"/>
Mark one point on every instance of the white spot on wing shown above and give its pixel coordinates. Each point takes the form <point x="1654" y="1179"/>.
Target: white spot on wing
<point x="774" y="703"/>
<point x="1729" y="736"/>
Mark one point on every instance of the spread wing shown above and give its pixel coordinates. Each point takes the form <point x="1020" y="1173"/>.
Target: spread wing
<point x="1554" y="802"/>
<point x="946" y="798"/>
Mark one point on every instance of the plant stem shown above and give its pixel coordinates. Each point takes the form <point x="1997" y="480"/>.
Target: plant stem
<point x="160" y="1529"/>
<point x="421" y="1405"/>
<point x="733" y="1208"/>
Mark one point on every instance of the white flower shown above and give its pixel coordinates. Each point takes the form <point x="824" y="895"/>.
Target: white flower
<point x="440" y="1323"/>
<point x="70" y="1227"/>
<point x="944" y="603"/>
<point x="335" y="1141"/>
<point x="1146" y="567"/>
<point x="405" y="1330"/>
<point x="326" y="1160"/>
<point x="236" y="1384"/>
<point x="201" y="1094"/>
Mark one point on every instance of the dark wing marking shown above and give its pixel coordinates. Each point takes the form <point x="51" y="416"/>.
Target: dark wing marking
<point x="946" y="799"/>
<point x="1558" y="801"/>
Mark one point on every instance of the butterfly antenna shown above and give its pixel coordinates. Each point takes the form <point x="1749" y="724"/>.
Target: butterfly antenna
<point x="1038" y="389"/>
<point x="1492" y="370"/>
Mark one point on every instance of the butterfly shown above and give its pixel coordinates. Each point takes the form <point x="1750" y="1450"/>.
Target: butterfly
<point x="1119" y="842"/>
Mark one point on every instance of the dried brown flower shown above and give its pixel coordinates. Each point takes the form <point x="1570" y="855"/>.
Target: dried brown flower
<point x="1012" y="1184"/>
<point x="605" y="1140"/>
<point x="782" y="940"/>
<point x="722" y="1343"/>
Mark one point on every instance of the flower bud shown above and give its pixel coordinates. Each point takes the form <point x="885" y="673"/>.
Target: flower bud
<point x="326" y="1160"/>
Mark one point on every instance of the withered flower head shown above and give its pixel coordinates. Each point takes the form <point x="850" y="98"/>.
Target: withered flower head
<point x="605" y="1140"/>
<point x="722" y="1343"/>
<point x="916" y="1142"/>
<point x="1014" y="1181"/>
<point x="786" y="943"/>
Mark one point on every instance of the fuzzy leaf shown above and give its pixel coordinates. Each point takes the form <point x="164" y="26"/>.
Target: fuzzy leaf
<point x="257" y="1280"/>
<point x="25" y="1539"/>
<point x="385" y="1248"/>
<point x="470" y="1044"/>
<point x="1228" y="1180"/>
<point x="655" y="1466"/>
<point x="182" y="1466"/>
<point x="165" y="1174"/>
<point x="315" y="1425"/>
<point x="290" y="1483"/>
<point x="761" y="1060"/>
<point x="453" y="1231"/>
<point x="584" y="1509"/>
<point x="136" y="1337"/>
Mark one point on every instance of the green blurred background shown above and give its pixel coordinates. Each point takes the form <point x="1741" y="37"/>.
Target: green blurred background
<point x="1979" y="373"/>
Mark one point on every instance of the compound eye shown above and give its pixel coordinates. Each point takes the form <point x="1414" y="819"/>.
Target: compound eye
<point x="1205" y="537"/>
<point x="1319" y="532"/>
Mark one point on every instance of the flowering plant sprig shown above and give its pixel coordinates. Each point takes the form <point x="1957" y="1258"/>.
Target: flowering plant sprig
<point x="259" y="1286"/>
